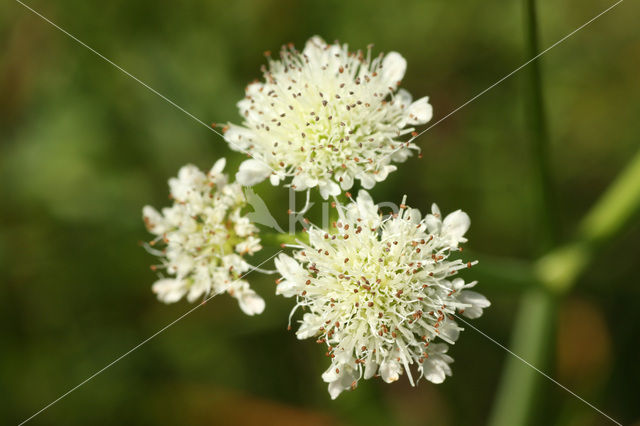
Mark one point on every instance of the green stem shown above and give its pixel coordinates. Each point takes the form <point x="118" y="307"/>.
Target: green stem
<point x="615" y="208"/>
<point x="277" y="239"/>
<point x="560" y="269"/>
<point x="502" y="273"/>
<point x="558" y="272"/>
<point x="547" y="235"/>
<point x="533" y="331"/>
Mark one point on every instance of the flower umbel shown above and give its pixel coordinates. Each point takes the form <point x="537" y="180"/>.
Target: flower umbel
<point x="326" y="116"/>
<point x="380" y="291"/>
<point x="205" y="237"/>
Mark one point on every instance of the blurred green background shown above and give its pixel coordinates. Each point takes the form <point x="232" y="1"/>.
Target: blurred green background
<point x="83" y="147"/>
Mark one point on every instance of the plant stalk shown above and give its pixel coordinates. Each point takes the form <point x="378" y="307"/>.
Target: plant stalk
<point x="533" y="331"/>
<point x="559" y="270"/>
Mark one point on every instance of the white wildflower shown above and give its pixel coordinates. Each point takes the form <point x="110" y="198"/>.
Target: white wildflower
<point x="205" y="237"/>
<point x="380" y="291"/>
<point x="324" y="117"/>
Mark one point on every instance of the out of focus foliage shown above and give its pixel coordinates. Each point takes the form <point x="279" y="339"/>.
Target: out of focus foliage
<point x="83" y="147"/>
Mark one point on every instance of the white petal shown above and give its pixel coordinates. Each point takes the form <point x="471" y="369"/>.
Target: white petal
<point x="436" y="368"/>
<point x="370" y="368"/>
<point x="254" y="88"/>
<point x="434" y="372"/>
<point x="154" y="220"/>
<point x="239" y="138"/>
<point x="169" y="290"/>
<point x="309" y="326"/>
<point x="303" y="181"/>
<point x="220" y="281"/>
<point x="218" y="167"/>
<point x="434" y="224"/>
<point x="287" y="288"/>
<point x="252" y="171"/>
<point x="401" y="155"/>
<point x="190" y="174"/>
<point x="250" y="302"/>
<point x="182" y="265"/>
<point x="414" y="215"/>
<point x="366" y="207"/>
<point x="187" y="183"/>
<point x="477" y="301"/>
<point x="403" y="98"/>
<point x="336" y="388"/>
<point x="292" y="273"/>
<point x="345" y="179"/>
<point x="366" y="180"/>
<point x="310" y="182"/>
<point x="328" y="188"/>
<point x="299" y="182"/>
<point x="449" y="331"/>
<point x="275" y="179"/>
<point x="343" y="354"/>
<point x="390" y="371"/>
<point x="288" y="267"/>
<point x="331" y="375"/>
<point x="314" y="50"/>
<point x="334" y="188"/>
<point x="340" y="378"/>
<point x="364" y="199"/>
<point x="456" y="224"/>
<point x="457" y="284"/>
<point x="420" y="111"/>
<point x="196" y="290"/>
<point x="384" y="172"/>
<point x="393" y="69"/>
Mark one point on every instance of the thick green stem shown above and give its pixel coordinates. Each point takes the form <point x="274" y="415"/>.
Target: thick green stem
<point x="531" y="336"/>
<point x="535" y="119"/>
<point x="559" y="270"/>
<point x="615" y="208"/>
<point x="533" y="331"/>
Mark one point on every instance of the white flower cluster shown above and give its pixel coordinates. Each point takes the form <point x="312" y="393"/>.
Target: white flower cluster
<point x="324" y="117"/>
<point x="380" y="291"/>
<point x="205" y="237"/>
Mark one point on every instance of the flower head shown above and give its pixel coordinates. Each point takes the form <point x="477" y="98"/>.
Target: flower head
<point x="326" y="116"/>
<point x="381" y="292"/>
<point x="205" y="237"/>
